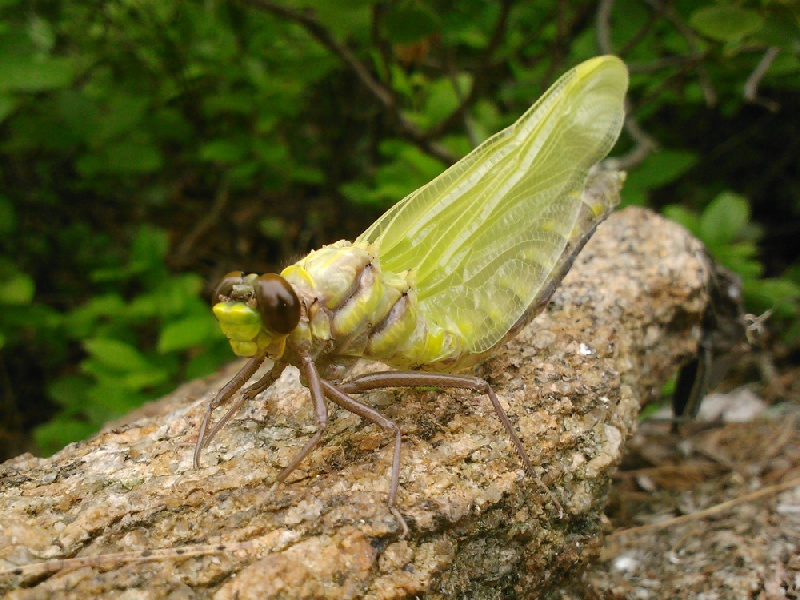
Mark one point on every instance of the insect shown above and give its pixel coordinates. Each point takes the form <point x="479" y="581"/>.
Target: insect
<point x="444" y="276"/>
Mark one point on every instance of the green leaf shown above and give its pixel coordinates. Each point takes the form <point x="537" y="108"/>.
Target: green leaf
<point x="463" y="26"/>
<point x="177" y="296"/>
<point x="781" y="28"/>
<point x="133" y="157"/>
<point x="726" y="23"/>
<point x="241" y="175"/>
<point x="18" y="290"/>
<point x="657" y="170"/>
<point x="344" y="16"/>
<point x="150" y="245"/>
<point x="665" y="167"/>
<point x="54" y="435"/>
<point x="125" y="156"/>
<point x="185" y="333"/>
<point x="443" y="98"/>
<point x="226" y="103"/>
<point x="271" y="227"/>
<point x="208" y="361"/>
<point x="145" y="306"/>
<point x="777" y="294"/>
<point x="740" y="258"/>
<point x="123" y="114"/>
<point x="9" y="3"/>
<point x="8" y="216"/>
<point x="116" y="354"/>
<point x="7" y="105"/>
<point x="684" y="216"/>
<point x="407" y="22"/>
<point x="110" y="399"/>
<point x="271" y="151"/>
<point x="69" y="392"/>
<point x="41" y="33"/>
<point x="139" y="380"/>
<point x="307" y="174"/>
<point x="724" y="219"/>
<point x="148" y="249"/>
<point x="34" y="74"/>
<point x="424" y="165"/>
<point x="82" y="321"/>
<point x="223" y="151"/>
<point x="110" y="274"/>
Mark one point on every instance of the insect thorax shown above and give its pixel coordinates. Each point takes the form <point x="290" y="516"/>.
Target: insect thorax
<point x="354" y="309"/>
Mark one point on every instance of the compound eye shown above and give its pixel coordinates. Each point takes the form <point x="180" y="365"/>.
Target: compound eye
<point x="277" y="303"/>
<point x="224" y="289"/>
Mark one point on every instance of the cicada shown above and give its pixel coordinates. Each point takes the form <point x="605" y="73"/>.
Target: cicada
<point x="445" y="276"/>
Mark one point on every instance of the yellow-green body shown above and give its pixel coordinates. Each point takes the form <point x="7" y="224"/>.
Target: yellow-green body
<point x="350" y="308"/>
<point x="456" y="267"/>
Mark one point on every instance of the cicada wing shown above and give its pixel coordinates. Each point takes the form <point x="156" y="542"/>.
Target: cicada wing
<point x="483" y="238"/>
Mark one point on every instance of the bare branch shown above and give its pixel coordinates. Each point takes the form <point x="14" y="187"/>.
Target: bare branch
<point x="381" y="93"/>
<point x="644" y="144"/>
<point x="705" y="81"/>
<point x="323" y="36"/>
<point x="664" y="62"/>
<point x="452" y="74"/>
<point x="751" y="85"/>
<point x="187" y="245"/>
<point x="764" y="492"/>
<point x="479" y="76"/>
<point x="384" y="50"/>
<point x="640" y="35"/>
<point x="604" y="9"/>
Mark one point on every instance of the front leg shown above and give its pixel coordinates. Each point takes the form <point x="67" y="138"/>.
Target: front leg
<point x="204" y="437"/>
<point x="314" y="384"/>
<point x="321" y="388"/>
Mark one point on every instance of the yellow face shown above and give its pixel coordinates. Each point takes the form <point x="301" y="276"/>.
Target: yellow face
<point x="256" y="313"/>
<point x="242" y="326"/>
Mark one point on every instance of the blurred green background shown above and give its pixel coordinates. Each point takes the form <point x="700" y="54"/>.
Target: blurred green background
<point x="148" y="147"/>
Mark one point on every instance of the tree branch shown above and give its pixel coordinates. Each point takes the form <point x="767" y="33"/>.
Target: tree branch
<point x="644" y="144"/>
<point x="705" y="81"/>
<point x="479" y="75"/>
<point x="751" y="85"/>
<point x="381" y="93"/>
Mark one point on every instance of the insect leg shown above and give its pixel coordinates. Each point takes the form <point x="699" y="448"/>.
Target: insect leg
<point x="370" y="414"/>
<point x="314" y="384"/>
<point x="230" y="388"/>
<point x="386" y="379"/>
<point x="247" y="395"/>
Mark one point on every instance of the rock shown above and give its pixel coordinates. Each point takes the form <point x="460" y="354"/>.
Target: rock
<point x="736" y="406"/>
<point x="572" y="383"/>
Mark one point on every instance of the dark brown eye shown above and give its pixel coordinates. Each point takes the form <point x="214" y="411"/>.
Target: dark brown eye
<point x="277" y="303"/>
<point x="224" y="288"/>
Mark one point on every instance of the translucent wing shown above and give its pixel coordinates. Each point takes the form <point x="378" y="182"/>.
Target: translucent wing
<point x="483" y="238"/>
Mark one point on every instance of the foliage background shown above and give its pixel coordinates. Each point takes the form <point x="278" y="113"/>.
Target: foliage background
<point x="149" y="147"/>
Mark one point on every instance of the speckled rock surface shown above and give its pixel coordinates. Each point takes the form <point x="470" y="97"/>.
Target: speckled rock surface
<point x="572" y="383"/>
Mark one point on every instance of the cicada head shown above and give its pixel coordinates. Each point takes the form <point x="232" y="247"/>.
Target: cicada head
<point x="256" y="312"/>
